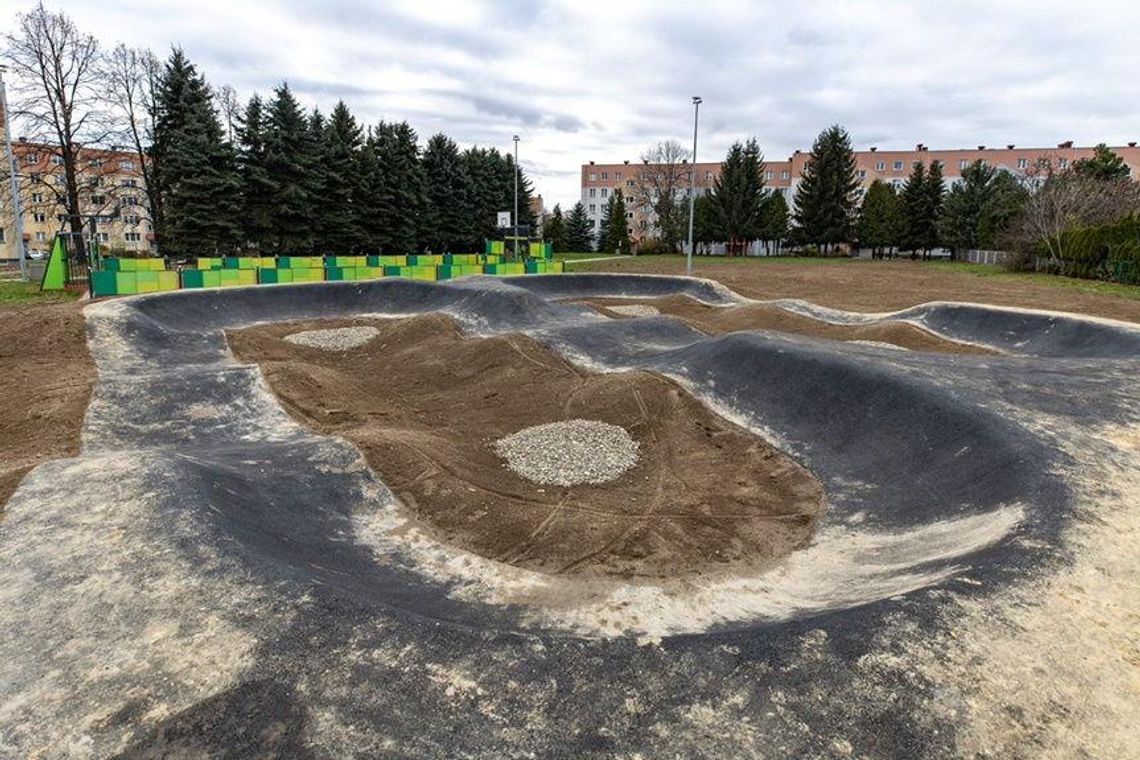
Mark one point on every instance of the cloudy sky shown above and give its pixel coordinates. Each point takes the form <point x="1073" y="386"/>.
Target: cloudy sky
<point x="582" y="81"/>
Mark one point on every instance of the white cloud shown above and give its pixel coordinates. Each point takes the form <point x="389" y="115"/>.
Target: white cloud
<point x="601" y="80"/>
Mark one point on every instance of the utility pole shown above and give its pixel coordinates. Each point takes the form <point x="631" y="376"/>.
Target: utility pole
<point x="14" y="181"/>
<point x="692" y="185"/>
<point x="516" y="198"/>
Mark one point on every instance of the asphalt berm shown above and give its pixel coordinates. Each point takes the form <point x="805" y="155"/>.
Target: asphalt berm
<point x="225" y="572"/>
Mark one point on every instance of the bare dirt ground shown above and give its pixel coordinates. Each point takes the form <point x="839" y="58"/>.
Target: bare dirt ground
<point x="46" y="376"/>
<point x="874" y="286"/>
<point x="426" y="404"/>
<point x="717" y="320"/>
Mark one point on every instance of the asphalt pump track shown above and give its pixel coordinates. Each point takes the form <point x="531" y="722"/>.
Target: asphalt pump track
<point x="210" y="576"/>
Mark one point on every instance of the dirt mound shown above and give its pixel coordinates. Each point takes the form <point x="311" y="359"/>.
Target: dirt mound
<point x="426" y="404"/>
<point x="716" y="320"/>
<point x="46" y="376"/>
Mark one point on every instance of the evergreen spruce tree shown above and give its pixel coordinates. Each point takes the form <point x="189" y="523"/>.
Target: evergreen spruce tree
<point x="979" y="208"/>
<point x="578" y="237"/>
<point x="405" y="176"/>
<point x="289" y="164"/>
<point x="256" y="219"/>
<point x="446" y="183"/>
<point x="374" y="197"/>
<point x="880" y="219"/>
<point x="555" y="230"/>
<point x="343" y="186"/>
<point x="774" y="222"/>
<point x="1104" y="165"/>
<point x="602" y="239"/>
<point x="198" y="180"/>
<point x="935" y="193"/>
<point x="827" y="194"/>
<point x="317" y="181"/>
<point x="738" y="193"/>
<point x="706" y="223"/>
<point x="617" y="227"/>
<point x="914" y="200"/>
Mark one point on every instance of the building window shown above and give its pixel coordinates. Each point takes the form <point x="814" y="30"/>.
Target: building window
<point x="61" y="218"/>
<point x="898" y="166"/>
<point x="1063" y="163"/>
<point x="127" y="166"/>
<point x="593" y="177"/>
<point x="593" y="193"/>
<point x="785" y="174"/>
<point x="963" y="164"/>
<point x="130" y="200"/>
<point x="2" y="239"/>
<point x="605" y="192"/>
<point x="37" y="197"/>
<point x="617" y="175"/>
<point x="628" y="214"/>
<point x="39" y="217"/>
<point x="103" y="237"/>
<point x="605" y="175"/>
<point x="862" y="174"/>
<point x="881" y="166"/>
<point x="130" y="219"/>
<point x="57" y="160"/>
<point x="767" y="175"/>
<point x="708" y="176"/>
<point x="40" y="237"/>
<point x="629" y="183"/>
<point x="896" y="182"/>
<point x="593" y="223"/>
<point x="593" y="208"/>
<point x="937" y="163"/>
<point x="1023" y="163"/>
<point x="98" y="200"/>
<point x="31" y="159"/>
<point x="128" y="183"/>
<point x="132" y="237"/>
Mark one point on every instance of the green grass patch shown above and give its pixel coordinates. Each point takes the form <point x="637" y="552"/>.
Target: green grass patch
<point x="654" y="260"/>
<point x="17" y="293"/>
<point x="1050" y="280"/>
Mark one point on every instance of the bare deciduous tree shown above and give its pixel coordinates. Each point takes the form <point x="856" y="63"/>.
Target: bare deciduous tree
<point x="58" y="99"/>
<point x="1066" y="199"/>
<point x="660" y="184"/>
<point x="230" y="108"/>
<point x="131" y="78"/>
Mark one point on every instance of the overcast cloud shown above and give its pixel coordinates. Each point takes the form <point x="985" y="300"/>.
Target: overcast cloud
<point x="601" y="80"/>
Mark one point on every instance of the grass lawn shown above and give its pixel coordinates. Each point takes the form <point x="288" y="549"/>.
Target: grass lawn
<point x="16" y="293"/>
<point x="1053" y="280"/>
<point x="991" y="274"/>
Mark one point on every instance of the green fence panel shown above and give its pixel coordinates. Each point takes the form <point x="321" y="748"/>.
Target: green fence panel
<point x="103" y="284"/>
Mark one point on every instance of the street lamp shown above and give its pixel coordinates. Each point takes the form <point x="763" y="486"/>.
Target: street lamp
<point x="692" y="187"/>
<point x="516" y="216"/>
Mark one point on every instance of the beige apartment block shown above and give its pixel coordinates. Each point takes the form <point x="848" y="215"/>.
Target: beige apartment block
<point x="599" y="181"/>
<point x="112" y="192"/>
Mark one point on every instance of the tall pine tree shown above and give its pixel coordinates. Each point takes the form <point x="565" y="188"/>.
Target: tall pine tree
<point x="578" y="236"/>
<point x="290" y="158"/>
<point x="738" y="192"/>
<point x="195" y="167"/>
<point x="405" y="175"/>
<point x="827" y="193"/>
<point x="774" y="222"/>
<point x="343" y="186"/>
<point x="555" y="230"/>
<point x="256" y="217"/>
<point x="447" y="185"/>
<point x="880" y="219"/>
<point x="617" y="229"/>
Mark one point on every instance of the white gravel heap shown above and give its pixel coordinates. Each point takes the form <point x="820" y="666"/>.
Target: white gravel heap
<point x="635" y="310"/>
<point x="336" y="339"/>
<point x="569" y="453"/>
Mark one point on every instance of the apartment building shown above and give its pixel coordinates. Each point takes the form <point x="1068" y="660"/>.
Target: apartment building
<point x="112" y="191"/>
<point x="599" y="181"/>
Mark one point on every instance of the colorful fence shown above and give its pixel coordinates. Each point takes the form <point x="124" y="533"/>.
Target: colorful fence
<point x="130" y="276"/>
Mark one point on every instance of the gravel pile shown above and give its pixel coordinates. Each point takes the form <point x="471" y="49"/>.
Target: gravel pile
<point x="336" y="339"/>
<point x="635" y="310"/>
<point x="569" y="453"/>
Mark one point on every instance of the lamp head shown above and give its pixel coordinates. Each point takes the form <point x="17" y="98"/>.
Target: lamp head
<point x="697" y="100"/>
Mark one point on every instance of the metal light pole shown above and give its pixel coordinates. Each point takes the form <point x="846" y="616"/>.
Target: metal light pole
<point x="692" y="185"/>
<point x="516" y="217"/>
<point x="14" y="180"/>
